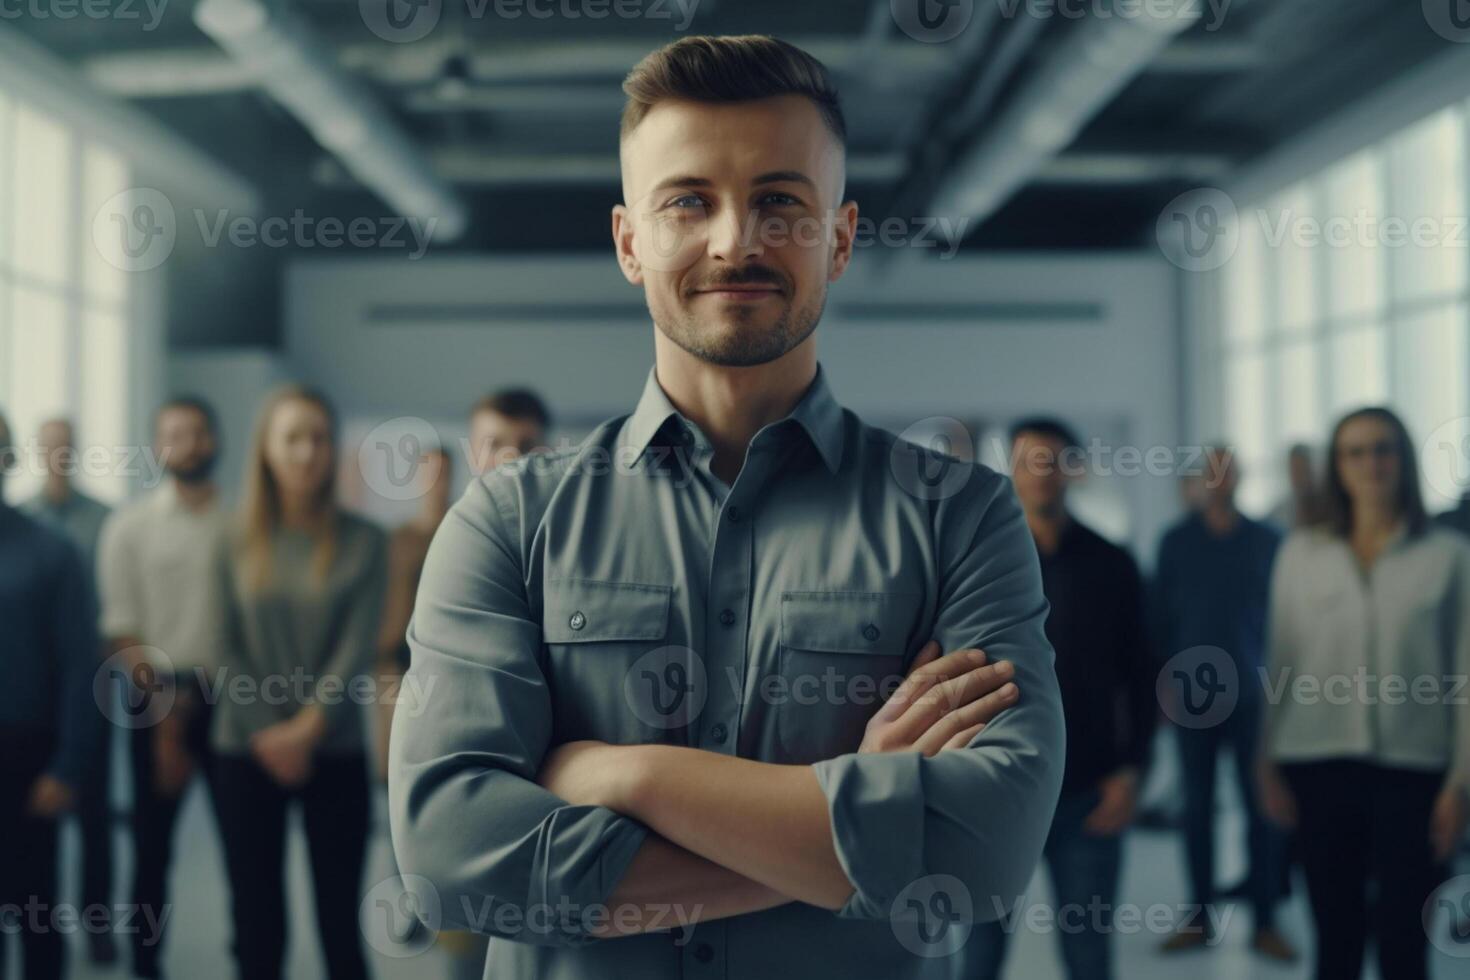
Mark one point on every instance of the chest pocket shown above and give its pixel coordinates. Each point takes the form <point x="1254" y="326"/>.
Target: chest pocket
<point x="601" y="637"/>
<point x="842" y="654"/>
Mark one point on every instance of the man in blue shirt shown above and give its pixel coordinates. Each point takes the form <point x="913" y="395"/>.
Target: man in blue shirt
<point x="48" y="720"/>
<point x="1214" y="582"/>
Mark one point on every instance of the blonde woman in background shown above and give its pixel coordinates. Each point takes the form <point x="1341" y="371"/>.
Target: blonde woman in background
<point x="302" y="582"/>
<point x="1368" y="755"/>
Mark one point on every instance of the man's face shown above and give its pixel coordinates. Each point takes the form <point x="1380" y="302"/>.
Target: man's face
<point x="186" y="444"/>
<point x="1222" y="476"/>
<point x="1038" y="471"/>
<point x="56" y="444"/>
<point x="732" y="224"/>
<point x="497" y="438"/>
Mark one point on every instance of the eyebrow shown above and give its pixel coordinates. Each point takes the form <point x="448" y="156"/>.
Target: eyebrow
<point x="771" y="177"/>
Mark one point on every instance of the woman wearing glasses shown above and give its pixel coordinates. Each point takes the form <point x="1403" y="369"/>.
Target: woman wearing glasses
<point x="1368" y="745"/>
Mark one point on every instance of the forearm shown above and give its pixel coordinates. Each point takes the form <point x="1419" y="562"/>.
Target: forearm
<point x="768" y="823"/>
<point x="666" y="887"/>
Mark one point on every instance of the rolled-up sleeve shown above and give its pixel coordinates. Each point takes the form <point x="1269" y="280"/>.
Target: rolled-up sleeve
<point x="495" y="852"/>
<point x="978" y="815"/>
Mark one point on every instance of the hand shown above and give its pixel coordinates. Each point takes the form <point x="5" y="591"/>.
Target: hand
<point x="173" y="763"/>
<point x="584" y="773"/>
<point x="50" y="798"/>
<point x="1277" y="802"/>
<point x="943" y="703"/>
<point x="285" y="750"/>
<point x="1447" y="822"/>
<point x="1114" y="812"/>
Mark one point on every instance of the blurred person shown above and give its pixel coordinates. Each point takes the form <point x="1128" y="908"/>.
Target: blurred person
<point x="48" y="723"/>
<point x="505" y="426"/>
<point x="1304" y="504"/>
<point x="1375" y="781"/>
<point x="301" y="582"/>
<point x="569" y="772"/>
<point x="1214" y="573"/>
<point x="154" y="560"/>
<point x="1096" y="625"/>
<point x="64" y="508"/>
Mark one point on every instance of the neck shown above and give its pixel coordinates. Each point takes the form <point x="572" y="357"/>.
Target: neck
<point x="195" y="496"/>
<point x="56" y="489"/>
<point x="1374" y="519"/>
<point x="731" y="404"/>
<point x="1220" y="515"/>
<point x="299" y="511"/>
<point x="1047" y="525"/>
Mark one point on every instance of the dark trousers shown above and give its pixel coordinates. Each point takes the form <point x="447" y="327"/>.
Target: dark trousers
<point x="1084" y="874"/>
<point x="1363" y="828"/>
<point x="1199" y="753"/>
<point x="335" y="808"/>
<point x="154" y="815"/>
<point x="28" y="892"/>
<point x="94" y="821"/>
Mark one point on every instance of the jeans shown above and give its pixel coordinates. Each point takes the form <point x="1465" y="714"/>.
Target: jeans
<point x="1199" y="752"/>
<point x="1084" y="872"/>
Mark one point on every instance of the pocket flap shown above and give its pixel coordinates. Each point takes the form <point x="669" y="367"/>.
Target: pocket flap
<point x="846" y="622"/>
<point x="588" y="610"/>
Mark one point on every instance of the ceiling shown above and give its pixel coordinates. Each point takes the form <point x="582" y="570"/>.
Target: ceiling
<point x="519" y="115"/>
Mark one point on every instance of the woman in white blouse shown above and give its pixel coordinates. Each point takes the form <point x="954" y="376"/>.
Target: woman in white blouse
<point x="1366" y="730"/>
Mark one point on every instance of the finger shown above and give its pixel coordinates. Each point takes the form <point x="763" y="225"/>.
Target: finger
<point x="948" y="725"/>
<point x="923" y="677"/>
<point x="927" y="655"/>
<point x="958" y="693"/>
<point x="895" y="703"/>
<point x="964" y="738"/>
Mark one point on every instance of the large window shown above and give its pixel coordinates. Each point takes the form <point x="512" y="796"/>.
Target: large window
<point x="64" y="310"/>
<point x="1350" y="289"/>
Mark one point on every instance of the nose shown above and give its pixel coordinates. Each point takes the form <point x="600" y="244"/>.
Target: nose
<point x="734" y="235"/>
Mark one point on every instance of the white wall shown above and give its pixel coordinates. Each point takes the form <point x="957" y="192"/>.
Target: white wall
<point x="1116" y="375"/>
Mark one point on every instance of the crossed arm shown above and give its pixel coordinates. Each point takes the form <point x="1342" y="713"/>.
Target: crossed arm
<point x="490" y="813"/>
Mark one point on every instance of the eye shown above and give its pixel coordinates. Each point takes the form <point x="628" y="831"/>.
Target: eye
<point x="686" y="201"/>
<point x="780" y="199"/>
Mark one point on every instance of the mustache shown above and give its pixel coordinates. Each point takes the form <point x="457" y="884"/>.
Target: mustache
<point x="748" y="276"/>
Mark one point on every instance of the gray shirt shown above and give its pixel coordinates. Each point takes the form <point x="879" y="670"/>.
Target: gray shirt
<point x="1371" y="666"/>
<point x="298" y="639"/>
<point x="618" y="592"/>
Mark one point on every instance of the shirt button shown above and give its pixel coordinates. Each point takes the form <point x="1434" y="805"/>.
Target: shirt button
<point x="577" y="621"/>
<point x="871" y="633"/>
<point x="718" y="734"/>
<point x="727" y="617"/>
<point x="734" y="513"/>
<point x="704" y="952"/>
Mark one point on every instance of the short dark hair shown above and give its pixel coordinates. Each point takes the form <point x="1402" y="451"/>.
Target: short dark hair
<point x="739" y="68"/>
<point x="191" y="403"/>
<point x="1410" y="502"/>
<point x="1051" y="428"/>
<point x="521" y="404"/>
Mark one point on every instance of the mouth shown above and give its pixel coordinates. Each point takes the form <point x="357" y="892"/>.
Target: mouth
<point x="743" y="293"/>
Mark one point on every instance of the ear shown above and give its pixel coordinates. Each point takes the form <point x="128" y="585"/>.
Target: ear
<point x="622" y="233"/>
<point x="844" y="233"/>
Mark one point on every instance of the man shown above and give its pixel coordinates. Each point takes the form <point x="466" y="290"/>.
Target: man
<point x="505" y="426"/>
<point x="48" y="722"/>
<point x="1106" y="672"/>
<point x="659" y="659"/>
<point x="153" y="564"/>
<point x="1303" y="505"/>
<point x="69" y="511"/>
<point x="1214" y="575"/>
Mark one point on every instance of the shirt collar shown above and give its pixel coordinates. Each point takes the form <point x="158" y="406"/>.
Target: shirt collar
<point x="817" y="413"/>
